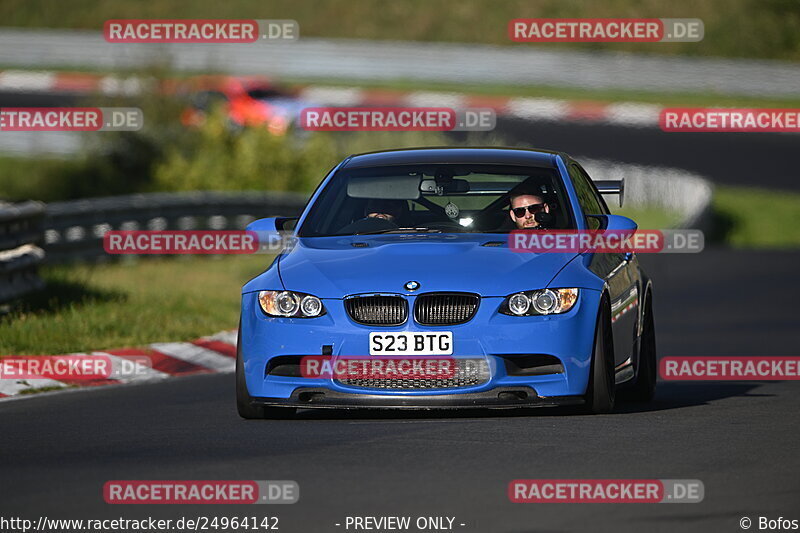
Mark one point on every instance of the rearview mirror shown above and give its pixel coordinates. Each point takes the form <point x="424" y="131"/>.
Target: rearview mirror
<point x="444" y="187"/>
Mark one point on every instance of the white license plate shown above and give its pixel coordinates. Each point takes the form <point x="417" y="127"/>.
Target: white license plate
<point x="411" y="343"/>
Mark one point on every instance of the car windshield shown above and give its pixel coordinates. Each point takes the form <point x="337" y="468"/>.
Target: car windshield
<point x="444" y="198"/>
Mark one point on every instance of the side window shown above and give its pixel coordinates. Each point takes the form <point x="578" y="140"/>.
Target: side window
<point x="599" y="197"/>
<point x="591" y="204"/>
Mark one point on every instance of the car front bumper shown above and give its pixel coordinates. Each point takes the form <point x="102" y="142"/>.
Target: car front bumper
<point x="490" y="335"/>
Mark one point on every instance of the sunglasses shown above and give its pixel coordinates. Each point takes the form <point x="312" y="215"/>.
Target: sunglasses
<point x="519" y="212"/>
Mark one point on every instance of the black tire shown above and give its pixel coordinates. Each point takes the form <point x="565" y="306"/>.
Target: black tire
<point x="244" y="403"/>
<point x="645" y="387"/>
<point x="601" y="391"/>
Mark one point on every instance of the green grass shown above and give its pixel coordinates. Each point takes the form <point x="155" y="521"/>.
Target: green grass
<point x="127" y="305"/>
<point x="23" y="178"/>
<point x="733" y="28"/>
<point x="649" y="218"/>
<point x="757" y="218"/>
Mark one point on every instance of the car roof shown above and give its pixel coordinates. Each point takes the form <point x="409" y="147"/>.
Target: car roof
<point x="505" y="156"/>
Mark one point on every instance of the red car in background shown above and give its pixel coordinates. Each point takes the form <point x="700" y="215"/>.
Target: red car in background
<point x="247" y="101"/>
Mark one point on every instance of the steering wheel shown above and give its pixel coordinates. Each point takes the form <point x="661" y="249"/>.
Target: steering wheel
<point x="367" y="224"/>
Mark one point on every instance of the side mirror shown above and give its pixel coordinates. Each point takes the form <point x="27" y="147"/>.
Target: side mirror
<point x="616" y="225"/>
<point x="266" y="225"/>
<point x="619" y="223"/>
<point x="272" y="224"/>
<point x="271" y="232"/>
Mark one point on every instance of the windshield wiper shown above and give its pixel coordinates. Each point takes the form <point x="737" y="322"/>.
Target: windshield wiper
<point x="400" y="230"/>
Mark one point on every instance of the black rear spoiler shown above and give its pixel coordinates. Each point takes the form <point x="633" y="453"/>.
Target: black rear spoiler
<point x="611" y="187"/>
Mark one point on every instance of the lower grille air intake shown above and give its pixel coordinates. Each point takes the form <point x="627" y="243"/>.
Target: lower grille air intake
<point x="467" y="373"/>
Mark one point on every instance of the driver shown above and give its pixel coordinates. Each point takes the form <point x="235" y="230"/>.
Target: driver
<point x="524" y="207"/>
<point x="386" y="209"/>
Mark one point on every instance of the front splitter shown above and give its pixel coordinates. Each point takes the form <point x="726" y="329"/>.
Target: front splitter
<point x="498" y="398"/>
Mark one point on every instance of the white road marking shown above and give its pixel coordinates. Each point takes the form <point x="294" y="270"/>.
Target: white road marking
<point x="228" y="337"/>
<point x="196" y="355"/>
<point x="537" y="108"/>
<point x="10" y="387"/>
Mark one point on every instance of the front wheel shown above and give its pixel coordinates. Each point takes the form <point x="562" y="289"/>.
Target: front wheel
<point x="645" y="387"/>
<point x="601" y="391"/>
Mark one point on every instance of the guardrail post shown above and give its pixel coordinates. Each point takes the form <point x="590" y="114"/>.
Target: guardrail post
<point x="21" y="231"/>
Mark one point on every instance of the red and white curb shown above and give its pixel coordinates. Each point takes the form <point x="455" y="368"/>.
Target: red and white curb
<point x="624" y="310"/>
<point x="627" y="114"/>
<point x="529" y="108"/>
<point x="214" y="354"/>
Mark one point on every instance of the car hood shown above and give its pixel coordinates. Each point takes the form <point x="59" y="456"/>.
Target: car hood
<point x="334" y="267"/>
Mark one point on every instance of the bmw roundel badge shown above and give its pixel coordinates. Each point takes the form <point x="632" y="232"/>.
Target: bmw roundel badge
<point x="412" y="285"/>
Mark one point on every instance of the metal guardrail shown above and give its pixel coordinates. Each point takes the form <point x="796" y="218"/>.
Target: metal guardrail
<point x="21" y="231"/>
<point x="74" y="230"/>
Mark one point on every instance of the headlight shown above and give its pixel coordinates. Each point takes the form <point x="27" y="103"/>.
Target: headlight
<point x="519" y="304"/>
<point x="541" y="302"/>
<point x="290" y="304"/>
<point x="311" y="306"/>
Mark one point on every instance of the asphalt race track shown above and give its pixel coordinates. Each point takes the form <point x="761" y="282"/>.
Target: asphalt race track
<point x="747" y="159"/>
<point x="740" y="439"/>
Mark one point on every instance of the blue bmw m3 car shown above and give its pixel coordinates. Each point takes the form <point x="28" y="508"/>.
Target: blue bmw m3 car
<point x="406" y="254"/>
